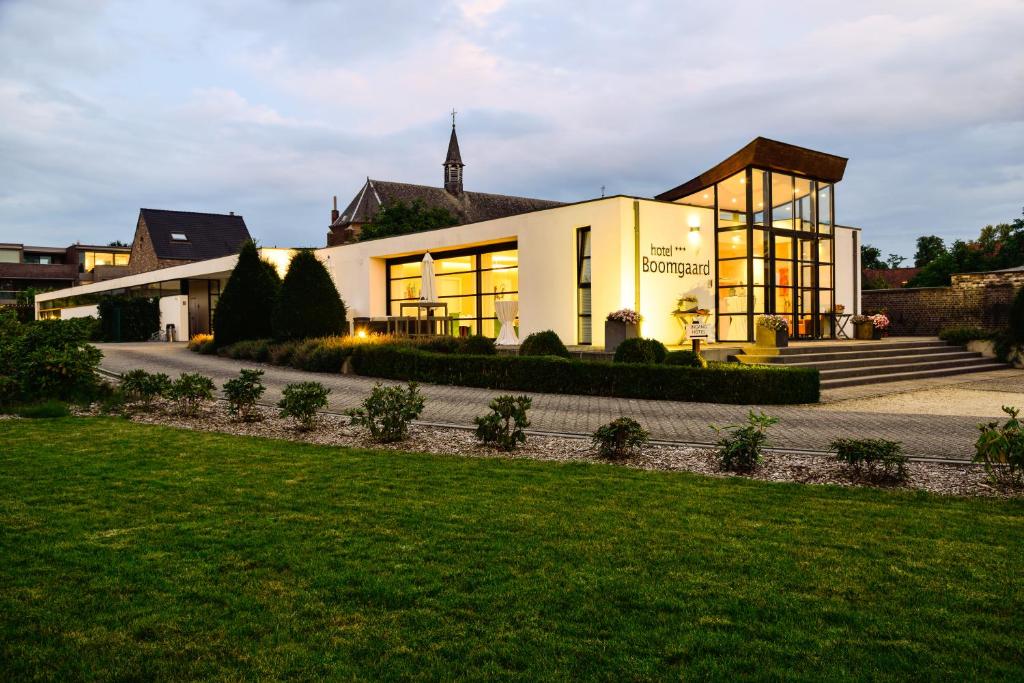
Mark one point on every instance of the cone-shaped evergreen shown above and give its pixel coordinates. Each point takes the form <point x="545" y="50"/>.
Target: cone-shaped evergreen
<point x="309" y="305"/>
<point x="245" y="306"/>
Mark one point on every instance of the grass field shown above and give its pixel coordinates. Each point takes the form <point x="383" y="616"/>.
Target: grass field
<point x="135" y="552"/>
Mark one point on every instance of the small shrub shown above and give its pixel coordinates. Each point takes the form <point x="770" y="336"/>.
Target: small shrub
<point x="620" y="438"/>
<point x="44" y="410"/>
<point x="477" y="345"/>
<point x="740" y="449"/>
<point x="503" y="426"/>
<point x="139" y="385"/>
<point x="111" y="400"/>
<point x="189" y="392"/>
<point x="544" y="343"/>
<point x="961" y="334"/>
<point x="1000" y="448"/>
<point x="257" y="350"/>
<point x="243" y="392"/>
<point x="282" y="352"/>
<point x="202" y="343"/>
<point x="387" y="411"/>
<point x="639" y="350"/>
<point x="301" y="402"/>
<point x="686" y="359"/>
<point x="876" y="460"/>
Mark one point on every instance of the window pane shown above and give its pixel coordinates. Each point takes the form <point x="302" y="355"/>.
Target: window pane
<point x="760" y="242"/>
<point x="732" y="243"/>
<point x="121" y="259"/>
<point x="759" y="300"/>
<point x="825" y="276"/>
<point x="805" y="207"/>
<point x="732" y="273"/>
<point x="487" y="304"/>
<point x="806" y="275"/>
<point x="760" y="188"/>
<point x="732" y="327"/>
<point x="458" y="264"/>
<point x="783" y="299"/>
<point x="825" y="207"/>
<point x="731" y="219"/>
<point x="825" y="300"/>
<point x="405" y="289"/>
<point x="806" y="250"/>
<point x="500" y="259"/>
<point x="759" y="271"/>
<point x="406" y="269"/>
<point x="705" y="197"/>
<point x="732" y="193"/>
<point x="732" y="300"/>
<point x="461" y="306"/>
<point x="455" y="284"/>
<point x="499" y="281"/>
<point x="782" y="201"/>
<point x="783" y="247"/>
<point x="825" y="251"/>
<point x="585" y="271"/>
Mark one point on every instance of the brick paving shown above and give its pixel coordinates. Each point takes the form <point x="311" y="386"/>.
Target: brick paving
<point x="801" y="427"/>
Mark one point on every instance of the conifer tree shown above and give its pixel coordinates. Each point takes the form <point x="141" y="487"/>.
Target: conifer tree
<point x="245" y="307"/>
<point x="309" y="304"/>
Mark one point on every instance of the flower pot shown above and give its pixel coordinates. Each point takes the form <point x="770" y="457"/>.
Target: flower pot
<point x="616" y="332"/>
<point x="864" y="330"/>
<point x="774" y="338"/>
<point x="876" y="332"/>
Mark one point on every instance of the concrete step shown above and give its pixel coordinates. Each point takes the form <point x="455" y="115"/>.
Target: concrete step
<point x="904" y="376"/>
<point x="812" y="358"/>
<point x="924" y="365"/>
<point x="849" y="347"/>
<point x="962" y="356"/>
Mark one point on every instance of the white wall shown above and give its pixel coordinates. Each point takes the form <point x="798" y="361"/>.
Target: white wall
<point x="79" y="312"/>
<point x="174" y="311"/>
<point x="847" y="269"/>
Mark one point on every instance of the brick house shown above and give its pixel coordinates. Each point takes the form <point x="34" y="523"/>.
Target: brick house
<point x="173" y="238"/>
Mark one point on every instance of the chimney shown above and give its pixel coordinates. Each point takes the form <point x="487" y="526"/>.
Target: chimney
<point x="334" y="211"/>
<point x="231" y="213"/>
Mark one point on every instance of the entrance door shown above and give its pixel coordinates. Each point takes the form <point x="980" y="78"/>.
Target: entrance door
<point x="795" y="283"/>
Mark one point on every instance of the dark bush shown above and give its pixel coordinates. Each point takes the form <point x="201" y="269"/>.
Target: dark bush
<point x="44" y="410"/>
<point x="140" y="385"/>
<point x="323" y="355"/>
<point x="478" y="345"/>
<point x="308" y="305"/>
<point x="1000" y="448"/>
<point x="257" y="350"/>
<point x="301" y="402"/>
<point x="202" y="343"/>
<point x="443" y="344"/>
<point x="243" y="392"/>
<point x="1017" y="318"/>
<point x="46" y="359"/>
<point x="639" y="350"/>
<point x="128" y="318"/>
<point x="686" y="359"/>
<point x="722" y="383"/>
<point x="740" y="449"/>
<point x="387" y="411"/>
<point x="620" y="438"/>
<point x="281" y="353"/>
<point x="878" y="460"/>
<point x="190" y="391"/>
<point x="961" y="334"/>
<point x="245" y="306"/>
<point x="504" y="426"/>
<point x="544" y="343"/>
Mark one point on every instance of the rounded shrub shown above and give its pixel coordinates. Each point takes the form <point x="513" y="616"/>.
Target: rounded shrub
<point x="309" y="304"/>
<point x="248" y="298"/>
<point x="478" y="345"/>
<point x="639" y="350"/>
<point x="544" y="343"/>
<point x="686" y="359"/>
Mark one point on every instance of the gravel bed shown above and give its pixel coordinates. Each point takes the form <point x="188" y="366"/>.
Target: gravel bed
<point x="335" y="430"/>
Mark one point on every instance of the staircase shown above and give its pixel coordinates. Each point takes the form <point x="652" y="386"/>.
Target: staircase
<point x="843" y="365"/>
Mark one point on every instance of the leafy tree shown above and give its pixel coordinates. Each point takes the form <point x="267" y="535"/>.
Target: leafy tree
<point x="874" y="281"/>
<point x="871" y="258"/>
<point x="895" y="260"/>
<point x="929" y="248"/>
<point x="997" y="247"/>
<point x="117" y="243"/>
<point x="309" y="304"/>
<point x="245" y="308"/>
<point x="399" y="218"/>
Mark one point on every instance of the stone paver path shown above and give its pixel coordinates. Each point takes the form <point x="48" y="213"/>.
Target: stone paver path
<point x="810" y="427"/>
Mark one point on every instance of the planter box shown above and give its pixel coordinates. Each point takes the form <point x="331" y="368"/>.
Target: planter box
<point x="864" y="330"/>
<point x="773" y="338"/>
<point x="616" y="332"/>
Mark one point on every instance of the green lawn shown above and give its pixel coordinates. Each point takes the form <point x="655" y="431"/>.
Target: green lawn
<point x="139" y="552"/>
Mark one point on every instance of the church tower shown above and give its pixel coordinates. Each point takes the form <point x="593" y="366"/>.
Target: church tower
<point x="453" y="164"/>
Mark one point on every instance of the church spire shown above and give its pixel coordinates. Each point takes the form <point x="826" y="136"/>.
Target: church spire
<point x="453" y="164"/>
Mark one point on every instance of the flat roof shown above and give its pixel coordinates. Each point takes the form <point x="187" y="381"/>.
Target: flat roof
<point x="770" y="154"/>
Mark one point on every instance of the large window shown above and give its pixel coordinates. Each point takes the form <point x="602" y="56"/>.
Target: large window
<point x="585" y="321"/>
<point x="470" y="281"/>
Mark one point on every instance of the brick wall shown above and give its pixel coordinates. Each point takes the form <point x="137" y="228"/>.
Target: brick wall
<point x="926" y="310"/>
<point x="976" y="280"/>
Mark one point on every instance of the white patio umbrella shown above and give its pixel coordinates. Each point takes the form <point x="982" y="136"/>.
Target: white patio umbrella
<point x="428" y="288"/>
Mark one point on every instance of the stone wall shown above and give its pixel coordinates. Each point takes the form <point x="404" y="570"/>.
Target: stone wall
<point x="1014" y="278"/>
<point x="926" y="310"/>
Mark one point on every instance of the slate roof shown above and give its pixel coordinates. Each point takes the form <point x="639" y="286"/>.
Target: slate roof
<point x="468" y="207"/>
<point x="210" y="235"/>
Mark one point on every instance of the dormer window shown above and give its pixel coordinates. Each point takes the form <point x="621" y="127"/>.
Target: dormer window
<point x="179" y="237"/>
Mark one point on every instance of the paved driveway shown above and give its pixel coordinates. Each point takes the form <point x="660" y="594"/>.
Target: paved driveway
<point x="802" y="427"/>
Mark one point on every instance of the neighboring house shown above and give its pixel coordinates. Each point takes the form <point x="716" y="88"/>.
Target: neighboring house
<point x="173" y="238"/>
<point x="891" y="277"/>
<point x="467" y="207"/>
<point x="24" y="267"/>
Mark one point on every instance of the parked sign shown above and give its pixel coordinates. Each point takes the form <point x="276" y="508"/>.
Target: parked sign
<point x="698" y="330"/>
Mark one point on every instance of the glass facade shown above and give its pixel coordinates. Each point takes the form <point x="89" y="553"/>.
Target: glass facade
<point x="774" y="251"/>
<point x="585" y="320"/>
<point x="470" y="281"/>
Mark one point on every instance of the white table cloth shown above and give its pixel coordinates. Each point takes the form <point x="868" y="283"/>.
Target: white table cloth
<point x="506" y="312"/>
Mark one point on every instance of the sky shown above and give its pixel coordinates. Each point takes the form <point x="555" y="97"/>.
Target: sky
<point x="269" y="108"/>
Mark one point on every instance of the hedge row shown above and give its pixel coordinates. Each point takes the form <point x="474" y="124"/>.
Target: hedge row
<point x="726" y="383"/>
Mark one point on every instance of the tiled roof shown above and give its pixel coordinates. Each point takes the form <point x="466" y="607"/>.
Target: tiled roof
<point x="894" y="277"/>
<point x="208" y="235"/>
<point x="454" y="155"/>
<point x="468" y="207"/>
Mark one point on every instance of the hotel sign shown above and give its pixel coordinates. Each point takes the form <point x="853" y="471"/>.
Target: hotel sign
<point x="699" y="330"/>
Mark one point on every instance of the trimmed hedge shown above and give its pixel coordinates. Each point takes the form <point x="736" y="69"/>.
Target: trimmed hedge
<point x="741" y="384"/>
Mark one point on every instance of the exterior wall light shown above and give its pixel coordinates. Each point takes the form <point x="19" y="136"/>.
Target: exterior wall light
<point x="361" y="333"/>
<point x="694" y="236"/>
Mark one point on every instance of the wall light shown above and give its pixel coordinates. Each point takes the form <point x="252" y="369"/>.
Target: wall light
<point x="361" y="333"/>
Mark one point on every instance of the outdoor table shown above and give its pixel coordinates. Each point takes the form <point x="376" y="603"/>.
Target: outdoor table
<point x="428" y="307"/>
<point x="506" y="312"/>
<point x="841" y="319"/>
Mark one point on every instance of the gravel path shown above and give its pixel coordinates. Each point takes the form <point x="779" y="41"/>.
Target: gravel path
<point x="811" y="427"/>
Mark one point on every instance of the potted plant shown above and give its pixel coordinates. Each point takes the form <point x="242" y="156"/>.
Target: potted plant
<point x="619" y="326"/>
<point x="879" y="325"/>
<point x="772" y="330"/>
<point x="863" y="327"/>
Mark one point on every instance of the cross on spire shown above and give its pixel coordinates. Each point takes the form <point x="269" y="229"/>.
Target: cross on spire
<point x="453" y="117"/>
